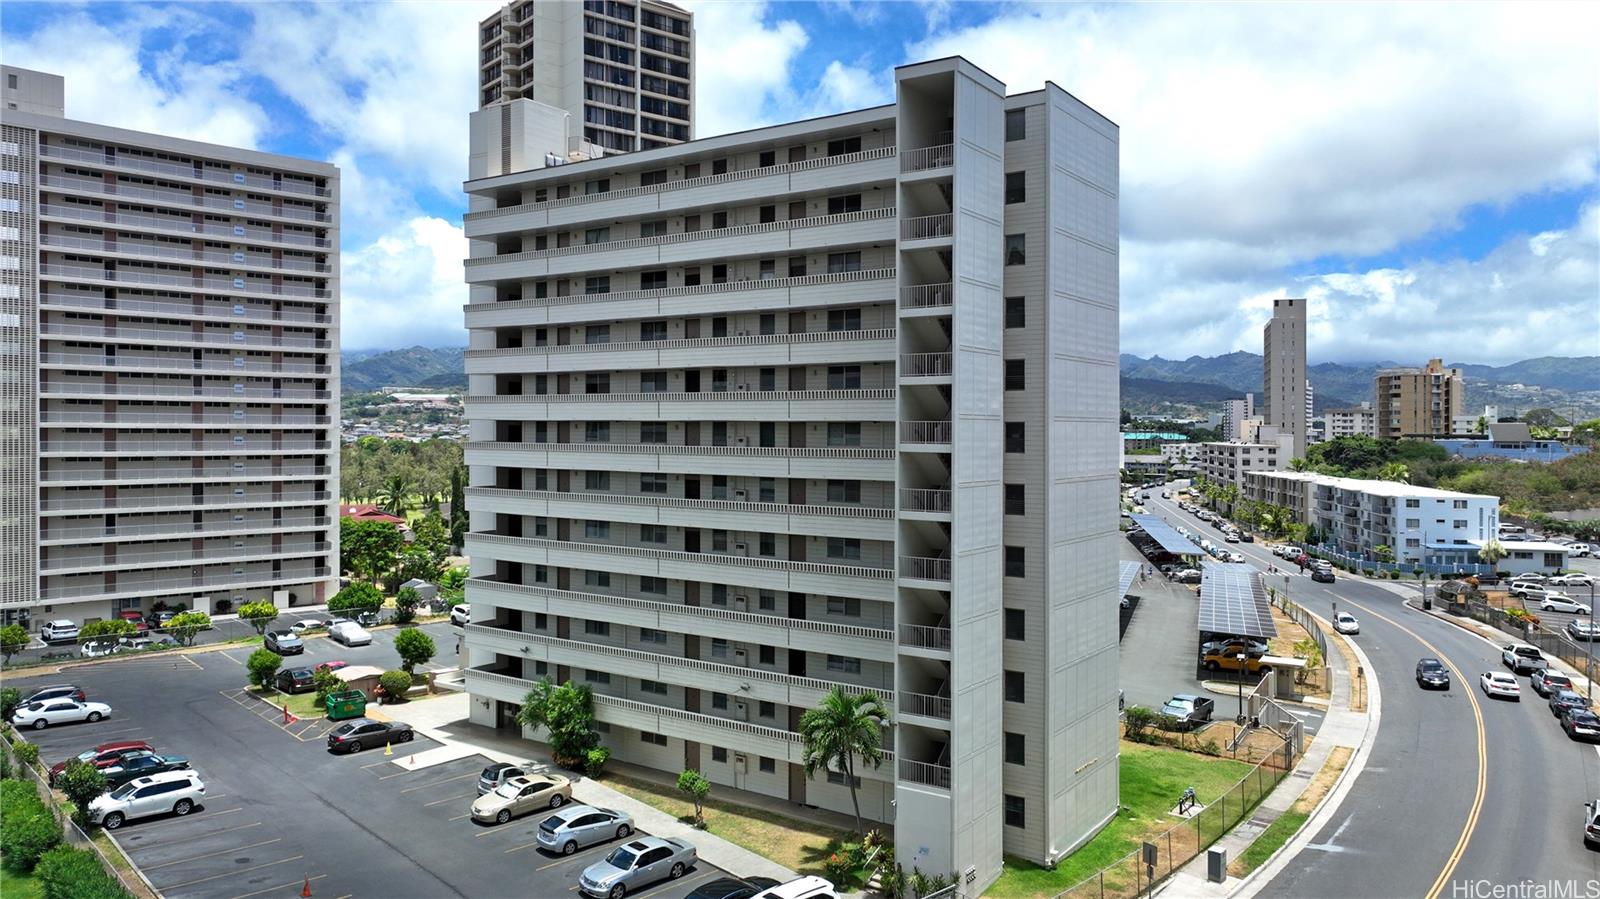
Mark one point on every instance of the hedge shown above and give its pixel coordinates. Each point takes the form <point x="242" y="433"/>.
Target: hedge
<point x="68" y="873"/>
<point x="28" y="830"/>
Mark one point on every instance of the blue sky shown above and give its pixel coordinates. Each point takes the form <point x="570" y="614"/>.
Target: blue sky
<point x="1426" y="175"/>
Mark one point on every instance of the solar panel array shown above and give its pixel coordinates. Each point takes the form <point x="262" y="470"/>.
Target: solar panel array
<point x="1232" y="601"/>
<point x="1166" y="535"/>
<point x="1130" y="570"/>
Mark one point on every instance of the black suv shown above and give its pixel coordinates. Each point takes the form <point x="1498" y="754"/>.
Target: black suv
<point x="1431" y="674"/>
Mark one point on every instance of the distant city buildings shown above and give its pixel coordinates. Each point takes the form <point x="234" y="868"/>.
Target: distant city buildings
<point x="1511" y="440"/>
<point x="1234" y="415"/>
<point x="1421" y="403"/>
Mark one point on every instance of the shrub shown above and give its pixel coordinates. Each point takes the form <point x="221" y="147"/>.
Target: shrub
<point x="10" y="698"/>
<point x="415" y="648"/>
<point x="13" y="637"/>
<point x="693" y="784"/>
<point x="185" y="626"/>
<point x="355" y="599"/>
<point x="1394" y="575"/>
<point x="838" y="868"/>
<point x="405" y="605"/>
<point x="394" y="685"/>
<point x="263" y="666"/>
<point x="1368" y="572"/>
<point x="224" y="606"/>
<point x="27" y="831"/>
<point x="28" y="754"/>
<point x="259" y="614"/>
<point x="596" y="760"/>
<point x="567" y="713"/>
<point x="68" y="873"/>
<point x="82" y="783"/>
<point x="16" y="794"/>
<point x="326" y="683"/>
<point x="1141" y="723"/>
<point x="114" y="627"/>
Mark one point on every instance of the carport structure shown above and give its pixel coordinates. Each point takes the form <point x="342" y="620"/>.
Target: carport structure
<point x="1233" y="603"/>
<point x="1126" y="575"/>
<point x="1161" y="540"/>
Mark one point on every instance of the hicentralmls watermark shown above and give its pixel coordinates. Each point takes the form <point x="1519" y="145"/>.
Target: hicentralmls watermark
<point x="1525" y="889"/>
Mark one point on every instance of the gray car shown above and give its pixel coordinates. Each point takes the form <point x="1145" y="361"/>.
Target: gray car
<point x="635" y="865"/>
<point x="284" y="643"/>
<point x="575" y="827"/>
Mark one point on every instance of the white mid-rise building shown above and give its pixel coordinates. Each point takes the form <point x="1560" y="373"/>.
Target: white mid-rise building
<point x="170" y="410"/>
<point x="1355" y="420"/>
<point x="824" y="404"/>
<point x="1234" y="415"/>
<point x="1357" y="516"/>
<point x="1261" y="447"/>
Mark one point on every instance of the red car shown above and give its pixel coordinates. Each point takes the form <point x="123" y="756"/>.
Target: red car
<point x="333" y="665"/>
<point x="103" y="756"/>
<point x="136" y="620"/>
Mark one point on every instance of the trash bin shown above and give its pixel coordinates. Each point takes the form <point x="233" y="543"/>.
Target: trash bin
<point x="346" y="704"/>
<point x="1427" y="603"/>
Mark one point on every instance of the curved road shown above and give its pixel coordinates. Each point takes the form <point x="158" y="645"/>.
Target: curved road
<point x="1412" y="823"/>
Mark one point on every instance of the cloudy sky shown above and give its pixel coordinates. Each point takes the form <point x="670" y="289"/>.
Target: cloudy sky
<point x="1425" y="173"/>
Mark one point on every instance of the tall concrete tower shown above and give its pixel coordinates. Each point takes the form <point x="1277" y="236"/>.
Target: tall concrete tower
<point x="1283" y="370"/>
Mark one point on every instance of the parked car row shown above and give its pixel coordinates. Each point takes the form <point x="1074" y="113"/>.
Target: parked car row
<point x="1570" y="708"/>
<point x="139" y="781"/>
<point x="58" y="704"/>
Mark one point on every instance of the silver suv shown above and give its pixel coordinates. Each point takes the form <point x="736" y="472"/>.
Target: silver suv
<point x="177" y="792"/>
<point x="576" y="827"/>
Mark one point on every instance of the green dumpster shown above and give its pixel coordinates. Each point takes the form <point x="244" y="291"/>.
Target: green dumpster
<point x="346" y="704"/>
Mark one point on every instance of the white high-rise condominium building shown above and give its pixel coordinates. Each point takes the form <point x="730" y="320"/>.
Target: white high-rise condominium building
<point x="1284" y="400"/>
<point x="830" y="403"/>
<point x="1234" y="415"/>
<point x="622" y="69"/>
<point x="169" y="397"/>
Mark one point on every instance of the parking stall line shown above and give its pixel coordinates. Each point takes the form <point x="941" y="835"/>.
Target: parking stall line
<point x="226" y="811"/>
<point x="174" y="886"/>
<point x="437" y="782"/>
<point x="469" y="814"/>
<point x="140" y="847"/>
<point x="376" y="765"/>
<point x="194" y="858"/>
<point x="447" y="799"/>
<point x="293" y="884"/>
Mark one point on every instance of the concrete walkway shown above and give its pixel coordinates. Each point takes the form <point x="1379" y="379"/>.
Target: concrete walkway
<point x="1341" y="727"/>
<point x="444" y="719"/>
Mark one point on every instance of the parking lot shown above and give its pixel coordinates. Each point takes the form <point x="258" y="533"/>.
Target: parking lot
<point x="280" y="808"/>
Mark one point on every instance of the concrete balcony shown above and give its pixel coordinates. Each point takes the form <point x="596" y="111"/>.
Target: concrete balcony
<point x="737" y="680"/>
<point x="250" y="313"/>
<point x="726" y="189"/>
<point x="181" y="419"/>
<point x="137" y="249"/>
<point x="927" y="159"/>
<point x="751" y="350"/>
<point x="803" y="292"/>
<point x="817" y="232"/>
<point x="180" y="473"/>
<point x="51" y="330"/>
<point x="183" y="281"/>
<point x="130" y="445"/>
<point x="213" y="365"/>
<point x="928" y="227"/>
<point x="927" y="296"/>
<point x="180" y="554"/>
<point x="178" y="225"/>
<point x="926" y="368"/>
<point x="216" y="585"/>
<point x="707" y="621"/>
<point x="925" y="637"/>
<point x="925" y="773"/>
<point x="857" y="463"/>
<point x="872" y="404"/>
<point x="54" y="536"/>
<point x="817" y="520"/>
<point x="934" y="709"/>
<point x="89" y="187"/>
<point x="199" y="174"/>
<point x="926" y="568"/>
<point x="749" y="571"/>
<point x="925" y="501"/>
<point x="79" y="505"/>
<point x="926" y="436"/>
<point x="137" y="390"/>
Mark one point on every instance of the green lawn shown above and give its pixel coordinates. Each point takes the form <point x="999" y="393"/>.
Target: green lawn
<point x="1276" y="834"/>
<point x="301" y="705"/>
<point x="1153" y="777"/>
<point x="19" y="886"/>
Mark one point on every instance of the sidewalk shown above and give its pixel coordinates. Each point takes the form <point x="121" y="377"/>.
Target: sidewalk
<point x="1341" y="727"/>
<point x="444" y="719"/>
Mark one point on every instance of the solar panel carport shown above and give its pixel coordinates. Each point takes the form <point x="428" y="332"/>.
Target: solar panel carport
<point x="1166" y="536"/>
<point x="1130" y="570"/>
<point x="1233" y="602"/>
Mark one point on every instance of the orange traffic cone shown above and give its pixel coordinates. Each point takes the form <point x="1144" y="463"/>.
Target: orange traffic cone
<point x="306" y="890"/>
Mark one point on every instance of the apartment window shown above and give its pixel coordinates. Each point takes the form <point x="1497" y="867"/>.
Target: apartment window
<point x="597" y="382"/>
<point x="844" y="377"/>
<point x="597" y="334"/>
<point x="1016" y="691"/>
<point x="653" y="330"/>
<point x="767" y="656"/>
<point x="767" y="601"/>
<point x="1458" y="523"/>
<point x="597" y="480"/>
<point x="846" y="664"/>
<point x="844" y="548"/>
<point x="719" y="273"/>
<point x="837" y="777"/>
<point x="652" y="533"/>
<point x="719" y="220"/>
<point x="1016" y="249"/>
<point x="1016" y="499"/>
<point x="653" y="432"/>
<point x="767" y="158"/>
<point x="1016" y="124"/>
<point x="691" y="276"/>
<point x="599" y="186"/>
<point x="1412" y="543"/>
<point x="652" y="280"/>
<point x="1016" y="561"/>
<point x="1016" y="187"/>
<point x="656" y="228"/>
<point x="541" y="621"/>
<point x="767" y="766"/>
<point x="767" y="214"/>
<point x="652" y="382"/>
<point x="846" y="203"/>
<point x="1016" y="374"/>
<point x="844" y="262"/>
<point x="767" y="269"/>
<point x="719" y="648"/>
<point x="844" y="145"/>
<point x="648" y="179"/>
<point x="653" y="686"/>
<point x="719" y="701"/>
<point x="653" y="483"/>
<point x="848" y="606"/>
<point x="596" y="432"/>
<point x="660" y="739"/>
<point x="597" y="628"/>
<point x="844" y="319"/>
<point x="768" y="378"/>
<point x="768" y="490"/>
<point x="1016" y="437"/>
<point x="1016" y="312"/>
<point x="1458" y="504"/>
<point x="1413" y="522"/>
<point x="1413" y="504"/>
<point x="656" y="586"/>
<point x="596" y="677"/>
<point x="767" y="546"/>
<point x="844" y="491"/>
<point x="846" y="433"/>
<point x="766" y="709"/>
<point x="719" y="753"/>
<point x="1016" y="749"/>
<point x="596" y="235"/>
<point x="797" y="266"/>
<point x="1016" y="811"/>
<point x="719" y="166"/>
<point x="597" y="284"/>
<point x="597" y="530"/>
<point x="1016" y="624"/>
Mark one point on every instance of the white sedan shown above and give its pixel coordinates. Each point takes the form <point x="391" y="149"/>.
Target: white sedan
<point x="1572" y="580"/>
<point x="1560" y="602"/>
<point x="1346" y="623"/>
<point x="1499" y="683"/>
<point x="40" y="715"/>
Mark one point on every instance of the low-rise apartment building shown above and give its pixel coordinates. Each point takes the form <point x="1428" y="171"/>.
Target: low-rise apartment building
<point x="1264" y="448"/>
<point x="1356" y="515"/>
<point x="1354" y="421"/>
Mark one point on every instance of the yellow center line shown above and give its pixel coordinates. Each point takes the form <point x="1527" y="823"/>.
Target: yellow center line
<point x="191" y="858"/>
<point x="1471" y="823"/>
<point x="173" y="886"/>
<point x="281" y="886"/>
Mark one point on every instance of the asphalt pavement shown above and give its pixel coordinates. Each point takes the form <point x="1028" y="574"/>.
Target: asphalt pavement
<point x="1416" y="805"/>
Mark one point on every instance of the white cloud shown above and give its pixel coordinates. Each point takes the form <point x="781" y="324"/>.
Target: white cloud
<point x="405" y="288"/>
<point x="743" y="62"/>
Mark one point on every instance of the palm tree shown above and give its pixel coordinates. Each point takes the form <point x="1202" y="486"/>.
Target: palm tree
<point x="841" y="728"/>
<point x="1395" y="471"/>
<point x="1491" y="552"/>
<point x="395" y="495"/>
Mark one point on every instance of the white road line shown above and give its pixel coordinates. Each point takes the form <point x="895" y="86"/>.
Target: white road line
<point x="173" y="886"/>
<point x="191" y="858"/>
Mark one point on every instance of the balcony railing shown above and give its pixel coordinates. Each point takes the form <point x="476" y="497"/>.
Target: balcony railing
<point x="925" y="773"/>
<point x="923" y="296"/>
<point x="679" y="396"/>
<point x="925" y="159"/>
<point x="181" y="551"/>
<point x="630" y="243"/>
<point x="113" y="216"/>
<point x="924" y="705"/>
<point x="55" y="330"/>
<point x="260" y="446"/>
<point x="138" y="390"/>
<point x="688" y="343"/>
<point x="217" y="176"/>
<point x="925" y="568"/>
<point x="183" y="281"/>
<point x="247" y="312"/>
<point x="674" y="555"/>
<point x="689" y="183"/>
<point x="210" y="582"/>
<point x="921" y="500"/>
<point x="718" y="505"/>
<point x="925" y="365"/>
<point x="179" y="198"/>
<point x="101" y="502"/>
<point x="163" y="251"/>
<point x="226" y="366"/>
<point x="924" y="636"/>
<point x="874" y="274"/>
<point x="177" y="529"/>
<point x="53" y="417"/>
<point x="776" y="452"/>
<point x="176" y="473"/>
<point x="925" y="227"/>
<point x="925" y="432"/>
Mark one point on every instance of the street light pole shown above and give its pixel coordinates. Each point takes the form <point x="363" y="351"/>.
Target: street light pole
<point x="1588" y="645"/>
<point x="1241" y="657"/>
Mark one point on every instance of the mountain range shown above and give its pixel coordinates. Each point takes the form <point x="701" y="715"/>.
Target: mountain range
<point x="418" y="366"/>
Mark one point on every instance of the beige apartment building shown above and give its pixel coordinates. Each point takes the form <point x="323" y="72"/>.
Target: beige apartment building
<point x="1285" y="398"/>
<point x="828" y="403"/>
<point x="621" y="69"/>
<point x="1419" y="402"/>
<point x="170" y="402"/>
